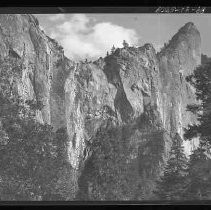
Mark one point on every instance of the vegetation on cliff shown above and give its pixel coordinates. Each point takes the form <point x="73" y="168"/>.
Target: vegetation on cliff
<point x="200" y="162"/>
<point x="200" y="80"/>
<point x="171" y="185"/>
<point x="31" y="153"/>
<point x="108" y="174"/>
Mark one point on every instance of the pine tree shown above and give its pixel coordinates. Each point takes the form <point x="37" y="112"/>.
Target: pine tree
<point x="125" y="44"/>
<point x="171" y="184"/>
<point x="199" y="164"/>
<point x="113" y="49"/>
<point x="198" y="178"/>
<point x="200" y="80"/>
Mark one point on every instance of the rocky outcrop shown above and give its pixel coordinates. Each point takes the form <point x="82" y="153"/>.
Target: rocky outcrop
<point x="45" y="67"/>
<point x="177" y="60"/>
<point x="132" y="86"/>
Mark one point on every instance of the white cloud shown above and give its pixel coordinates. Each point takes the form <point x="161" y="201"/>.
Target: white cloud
<point x="57" y="17"/>
<point x="82" y="39"/>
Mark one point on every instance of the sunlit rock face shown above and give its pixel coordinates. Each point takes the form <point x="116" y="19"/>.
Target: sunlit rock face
<point x="89" y="100"/>
<point x="177" y="60"/>
<point x="45" y="67"/>
<point x="132" y="86"/>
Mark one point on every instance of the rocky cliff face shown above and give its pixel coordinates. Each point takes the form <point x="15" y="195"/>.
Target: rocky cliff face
<point x="45" y="67"/>
<point x="133" y="86"/>
<point x="176" y="61"/>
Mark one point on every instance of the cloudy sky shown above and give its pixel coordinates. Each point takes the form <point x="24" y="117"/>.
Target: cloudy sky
<point x="91" y="35"/>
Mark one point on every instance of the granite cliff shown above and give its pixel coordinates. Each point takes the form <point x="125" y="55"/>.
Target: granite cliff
<point x="140" y="93"/>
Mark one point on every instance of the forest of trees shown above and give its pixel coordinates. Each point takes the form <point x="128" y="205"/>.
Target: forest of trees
<point x="107" y="174"/>
<point x="31" y="153"/>
<point x="172" y="183"/>
<point x="190" y="179"/>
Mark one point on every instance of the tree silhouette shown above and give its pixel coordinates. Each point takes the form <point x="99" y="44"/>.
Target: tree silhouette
<point x="199" y="164"/>
<point x="171" y="184"/>
<point x="198" y="180"/>
<point x="125" y="44"/>
<point x="200" y="80"/>
<point x="113" y="49"/>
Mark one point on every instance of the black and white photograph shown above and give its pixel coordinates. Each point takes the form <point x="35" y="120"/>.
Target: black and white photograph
<point x="105" y="107"/>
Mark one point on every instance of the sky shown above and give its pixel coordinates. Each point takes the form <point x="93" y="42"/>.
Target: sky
<point x="92" y="35"/>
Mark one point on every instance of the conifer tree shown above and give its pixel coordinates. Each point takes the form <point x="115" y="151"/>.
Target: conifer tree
<point x="199" y="164"/>
<point x="125" y="44"/>
<point x="113" y="49"/>
<point x="171" y="184"/>
<point x="198" y="179"/>
<point x="200" y="80"/>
